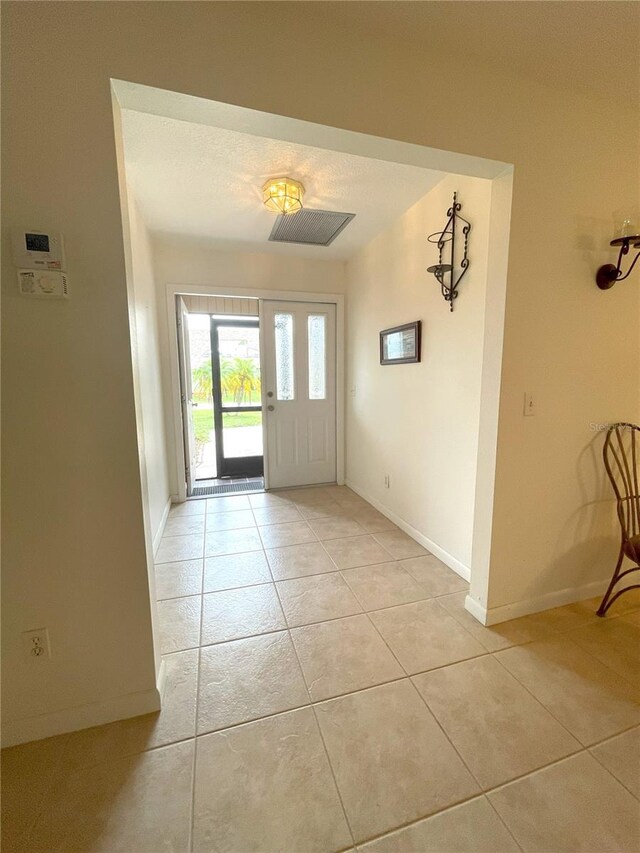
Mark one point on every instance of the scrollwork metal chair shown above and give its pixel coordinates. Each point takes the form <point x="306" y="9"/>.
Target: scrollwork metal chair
<point x="621" y="451"/>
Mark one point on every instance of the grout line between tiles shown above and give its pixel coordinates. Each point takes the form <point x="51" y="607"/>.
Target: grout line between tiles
<point x="195" y="721"/>
<point x="538" y="701"/>
<point x="315" y="717"/>
<point x="502" y="821"/>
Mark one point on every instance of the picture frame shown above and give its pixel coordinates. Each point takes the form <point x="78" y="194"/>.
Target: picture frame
<point x="401" y="344"/>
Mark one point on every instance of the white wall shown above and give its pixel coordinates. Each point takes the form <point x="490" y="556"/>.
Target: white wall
<point x="184" y="261"/>
<point x="146" y="347"/>
<point x="419" y="422"/>
<point x="73" y="531"/>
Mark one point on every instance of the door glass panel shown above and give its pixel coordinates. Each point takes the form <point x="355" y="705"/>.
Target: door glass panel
<point x="202" y="395"/>
<point x="316" y="326"/>
<point x="239" y="349"/>
<point x="284" y="356"/>
<point x="241" y="434"/>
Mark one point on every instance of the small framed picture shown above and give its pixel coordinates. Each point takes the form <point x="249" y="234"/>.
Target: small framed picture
<point x="401" y="345"/>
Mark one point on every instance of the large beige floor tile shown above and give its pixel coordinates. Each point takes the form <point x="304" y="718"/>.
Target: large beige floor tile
<point x="238" y="520"/>
<point x="584" y="695"/>
<point x="175" y="548"/>
<point x="399" y="544"/>
<point x="351" y="502"/>
<point x="267" y="786"/>
<point x="179" y="623"/>
<point x="621" y="756"/>
<point x="472" y="827"/>
<point x="306" y="496"/>
<point x="342" y="656"/>
<point x="191" y="507"/>
<point x="371" y="520"/>
<point x="526" y="629"/>
<point x="233" y="570"/>
<point x="498" y="728"/>
<point x="28" y="772"/>
<point x="298" y="561"/>
<point x="230" y="503"/>
<point x="183" y="525"/>
<point x="175" y="722"/>
<point x="571" y="616"/>
<point x="356" y="551"/>
<point x="316" y="598"/>
<point x="246" y="679"/>
<point x="320" y="509"/>
<point x="627" y="603"/>
<point x="391" y="760"/>
<point x="264" y="499"/>
<point x="276" y="514"/>
<point x="335" y="527"/>
<point x="234" y="613"/>
<point x="291" y="533"/>
<point x="614" y="642"/>
<point x="575" y="805"/>
<point x="175" y="580"/>
<point x="383" y="585"/>
<point x="422" y="635"/>
<point x="141" y="803"/>
<point x="434" y="576"/>
<point x="218" y="542"/>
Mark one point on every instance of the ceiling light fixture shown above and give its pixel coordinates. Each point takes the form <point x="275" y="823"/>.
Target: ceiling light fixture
<point x="627" y="235"/>
<point x="283" y="195"/>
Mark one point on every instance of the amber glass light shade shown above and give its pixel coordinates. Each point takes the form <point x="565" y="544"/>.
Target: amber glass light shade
<point x="283" y="195"/>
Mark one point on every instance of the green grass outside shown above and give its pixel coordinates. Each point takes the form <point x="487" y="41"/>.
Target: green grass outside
<point x="203" y="421"/>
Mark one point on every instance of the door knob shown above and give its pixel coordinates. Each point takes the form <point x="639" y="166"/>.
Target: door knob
<point x="270" y="408"/>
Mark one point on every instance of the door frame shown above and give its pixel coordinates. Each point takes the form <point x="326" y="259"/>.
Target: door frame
<point x="218" y="407"/>
<point x="173" y="290"/>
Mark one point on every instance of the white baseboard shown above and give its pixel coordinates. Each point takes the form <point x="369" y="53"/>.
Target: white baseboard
<point x="161" y="681"/>
<point x="448" y="559"/>
<point x="80" y="717"/>
<point x="158" y="534"/>
<point x="558" y="598"/>
<point x="476" y="609"/>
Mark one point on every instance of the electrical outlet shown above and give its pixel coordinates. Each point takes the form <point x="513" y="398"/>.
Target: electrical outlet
<point x="36" y="644"/>
<point x="387" y="482"/>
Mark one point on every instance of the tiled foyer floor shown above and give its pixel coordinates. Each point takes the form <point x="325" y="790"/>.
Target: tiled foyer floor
<point x="327" y="691"/>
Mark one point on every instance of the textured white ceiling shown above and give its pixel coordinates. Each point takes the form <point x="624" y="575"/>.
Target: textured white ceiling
<point x="203" y="181"/>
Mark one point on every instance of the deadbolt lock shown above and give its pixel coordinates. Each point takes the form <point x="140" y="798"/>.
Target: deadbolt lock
<point x="270" y="408"/>
<point x="269" y="393"/>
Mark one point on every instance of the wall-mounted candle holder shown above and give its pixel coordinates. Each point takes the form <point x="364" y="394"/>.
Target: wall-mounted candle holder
<point x="445" y="273"/>
<point x="627" y="235"/>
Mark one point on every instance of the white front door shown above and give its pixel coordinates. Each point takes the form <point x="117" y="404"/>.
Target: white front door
<point x="300" y="392"/>
<point x="186" y="394"/>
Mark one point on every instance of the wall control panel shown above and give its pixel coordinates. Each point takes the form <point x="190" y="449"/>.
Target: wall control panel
<point x="38" y="250"/>
<point x="39" y="256"/>
<point x="51" y="284"/>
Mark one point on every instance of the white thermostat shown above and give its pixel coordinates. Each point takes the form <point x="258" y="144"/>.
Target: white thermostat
<point x="50" y="284"/>
<point x="38" y="250"/>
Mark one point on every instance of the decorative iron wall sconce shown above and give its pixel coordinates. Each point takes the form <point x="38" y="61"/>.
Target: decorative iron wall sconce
<point x="628" y="236"/>
<point x="441" y="238"/>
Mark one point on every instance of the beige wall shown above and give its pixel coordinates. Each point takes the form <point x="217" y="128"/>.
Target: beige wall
<point x="146" y="348"/>
<point x="197" y="263"/>
<point x="419" y="422"/>
<point x="74" y="545"/>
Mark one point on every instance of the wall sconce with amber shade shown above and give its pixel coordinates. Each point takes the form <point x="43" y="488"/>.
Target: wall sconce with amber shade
<point x="627" y="236"/>
<point x="283" y="195"/>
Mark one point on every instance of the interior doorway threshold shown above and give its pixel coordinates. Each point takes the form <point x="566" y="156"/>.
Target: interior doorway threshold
<point x="256" y="485"/>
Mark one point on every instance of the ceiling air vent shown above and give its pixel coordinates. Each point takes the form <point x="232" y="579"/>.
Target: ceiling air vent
<point x="311" y="227"/>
